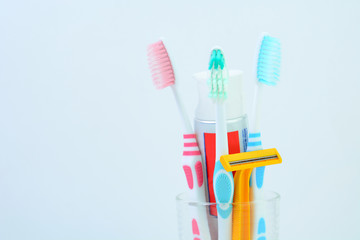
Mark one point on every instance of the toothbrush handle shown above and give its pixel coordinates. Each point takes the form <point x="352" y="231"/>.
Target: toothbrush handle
<point x="222" y="146"/>
<point x="180" y="105"/>
<point x="225" y="225"/>
<point x="224" y="192"/>
<point x="193" y="169"/>
<point x="257" y="105"/>
<point x="258" y="212"/>
<point x="256" y="190"/>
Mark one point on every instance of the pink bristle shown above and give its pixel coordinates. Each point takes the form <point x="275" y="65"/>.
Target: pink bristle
<point x="160" y="65"/>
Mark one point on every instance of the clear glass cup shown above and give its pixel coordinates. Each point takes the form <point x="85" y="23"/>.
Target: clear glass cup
<point x="191" y="226"/>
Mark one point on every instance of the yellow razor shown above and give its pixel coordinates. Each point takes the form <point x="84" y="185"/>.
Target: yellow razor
<point x="243" y="164"/>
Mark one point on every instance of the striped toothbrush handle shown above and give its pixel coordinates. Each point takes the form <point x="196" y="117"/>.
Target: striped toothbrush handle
<point x="193" y="169"/>
<point x="256" y="190"/>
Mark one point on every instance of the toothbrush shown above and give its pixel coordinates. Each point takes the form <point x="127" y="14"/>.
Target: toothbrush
<point x="223" y="181"/>
<point x="267" y="73"/>
<point x="163" y="76"/>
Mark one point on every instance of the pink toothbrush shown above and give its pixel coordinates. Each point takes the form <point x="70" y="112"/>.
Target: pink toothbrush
<point x="163" y="76"/>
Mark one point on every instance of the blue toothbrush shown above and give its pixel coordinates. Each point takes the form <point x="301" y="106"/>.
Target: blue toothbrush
<point x="223" y="181"/>
<point x="267" y="73"/>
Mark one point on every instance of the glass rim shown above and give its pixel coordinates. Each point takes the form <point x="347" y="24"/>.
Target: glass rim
<point x="270" y="196"/>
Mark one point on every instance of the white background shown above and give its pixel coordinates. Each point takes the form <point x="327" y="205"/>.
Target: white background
<point x="90" y="150"/>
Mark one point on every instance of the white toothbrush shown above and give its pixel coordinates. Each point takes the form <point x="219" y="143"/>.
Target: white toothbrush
<point x="163" y="76"/>
<point x="267" y="73"/>
<point x="223" y="181"/>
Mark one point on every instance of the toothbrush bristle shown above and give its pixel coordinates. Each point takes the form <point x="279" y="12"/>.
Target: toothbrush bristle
<point x="219" y="75"/>
<point x="160" y="65"/>
<point x="268" y="66"/>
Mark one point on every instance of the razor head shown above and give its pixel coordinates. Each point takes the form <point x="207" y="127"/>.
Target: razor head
<point x="249" y="160"/>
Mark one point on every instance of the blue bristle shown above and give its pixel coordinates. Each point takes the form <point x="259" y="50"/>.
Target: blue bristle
<point x="268" y="67"/>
